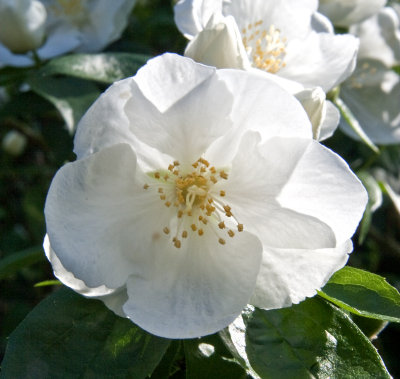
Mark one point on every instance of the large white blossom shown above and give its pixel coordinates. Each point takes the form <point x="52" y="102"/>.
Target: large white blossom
<point x="348" y="12"/>
<point x="195" y="192"/>
<point x="70" y="25"/>
<point x="373" y="92"/>
<point x="288" y="38"/>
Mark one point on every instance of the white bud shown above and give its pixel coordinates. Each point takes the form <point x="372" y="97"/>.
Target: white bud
<point x="14" y="143"/>
<point x="22" y="24"/>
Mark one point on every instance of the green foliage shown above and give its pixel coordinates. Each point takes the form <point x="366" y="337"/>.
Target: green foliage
<point x="363" y="293"/>
<point x="313" y="339"/>
<point x="106" y="67"/>
<point x="14" y="262"/>
<point x="68" y="336"/>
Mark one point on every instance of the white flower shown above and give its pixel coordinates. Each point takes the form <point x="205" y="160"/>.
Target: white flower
<point x="195" y="192"/>
<point x="288" y="38"/>
<point x="372" y="93"/>
<point x="348" y="12"/>
<point x="22" y="24"/>
<point x="75" y="25"/>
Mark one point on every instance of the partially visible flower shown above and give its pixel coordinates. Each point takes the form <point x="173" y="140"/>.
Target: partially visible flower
<point x="14" y="143"/>
<point x="287" y="38"/>
<point x="22" y="24"/>
<point x="195" y="192"/>
<point x="348" y="12"/>
<point x="372" y="93"/>
<point x="75" y="25"/>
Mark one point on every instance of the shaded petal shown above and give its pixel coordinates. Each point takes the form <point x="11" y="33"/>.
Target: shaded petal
<point x="330" y="122"/>
<point x="380" y="37"/>
<point x="196" y="290"/>
<point x="259" y="105"/>
<point x="114" y="299"/>
<point x="373" y="94"/>
<point x="345" y="12"/>
<point x="257" y="177"/>
<point x="322" y="59"/>
<point x="288" y="276"/>
<point x="322" y="185"/>
<point x="92" y="211"/>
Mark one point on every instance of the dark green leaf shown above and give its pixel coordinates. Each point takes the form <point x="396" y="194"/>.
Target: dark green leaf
<point x="71" y="96"/>
<point x="106" y="67"/>
<point x="15" y="261"/>
<point x="364" y="294"/>
<point x="171" y="361"/>
<point x="313" y="339"/>
<point x="208" y="357"/>
<point x="11" y="75"/>
<point x="69" y="336"/>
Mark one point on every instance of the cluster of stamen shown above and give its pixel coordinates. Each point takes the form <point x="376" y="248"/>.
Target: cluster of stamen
<point x="196" y="206"/>
<point x="73" y="9"/>
<point x="361" y="74"/>
<point x="265" y="48"/>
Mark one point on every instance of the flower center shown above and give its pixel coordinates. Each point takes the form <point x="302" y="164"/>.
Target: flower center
<point x="266" y="49"/>
<point x="197" y="202"/>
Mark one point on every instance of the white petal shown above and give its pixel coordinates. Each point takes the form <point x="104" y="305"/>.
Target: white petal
<point x="289" y="276"/>
<point x="322" y="59"/>
<point x="291" y="17"/>
<point x="219" y="45"/>
<point x="257" y="177"/>
<point x="92" y="209"/>
<point x="259" y="105"/>
<point x="179" y="107"/>
<point x="322" y="185"/>
<point x="196" y="290"/>
<point x="191" y="16"/>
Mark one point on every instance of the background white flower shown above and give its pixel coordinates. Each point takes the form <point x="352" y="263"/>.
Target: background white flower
<point x="22" y="25"/>
<point x="195" y="192"/>
<point x="348" y="12"/>
<point x="373" y="92"/>
<point x="288" y="38"/>
<point x="75" y="25"/>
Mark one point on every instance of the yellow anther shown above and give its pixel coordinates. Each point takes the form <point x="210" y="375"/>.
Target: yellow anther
<point x="177" y="243"/>
<point x="146" y="186"/>
<point x="171" y="167"/>
<point x="223" y="175"/>
<point x="176" y="163"/>
<point x="195" y="165"/>
<point x="227" y="208"/>
<point x="202" y="169"/>
<point x="231" y="233"/>
<point x="167" y="204"/>
<point x="213" y="170"/>
<point x="204" y="221"/>
<point x="222" y="193"/>
<point x="240" y="227"/>
<point x="184" y="234"/>
<point x="193" y="227"/>
<point x="200" y="232"/>
<point x="166" y="177"/>
<point x="163" y="197"/>
<point x="166" y="230"/>
<point x="175" y="172"/>
<point x="213" y="179"/>
<point x="180" y="214"/>
<point x="222" y="241"/>
<point x="160" y="190"/>
<point x="221" y="225"/>
<point x="157" y="175"/>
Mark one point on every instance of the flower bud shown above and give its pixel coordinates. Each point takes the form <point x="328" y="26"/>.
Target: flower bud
<point x="22" y="25"/>
<point x="14" y="143"/>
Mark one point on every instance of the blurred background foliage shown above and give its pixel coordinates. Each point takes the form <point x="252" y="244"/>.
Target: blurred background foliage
<point x="25" y="177"/>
